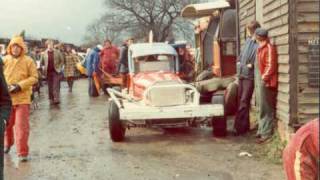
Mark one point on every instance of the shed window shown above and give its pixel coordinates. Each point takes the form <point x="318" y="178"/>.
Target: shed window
<point x="314" y="63"/>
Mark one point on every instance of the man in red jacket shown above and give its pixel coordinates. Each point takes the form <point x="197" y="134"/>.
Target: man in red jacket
<point x="266" y="79"/>
<point x="301" y="156"/>
<point x="109" y="57"/>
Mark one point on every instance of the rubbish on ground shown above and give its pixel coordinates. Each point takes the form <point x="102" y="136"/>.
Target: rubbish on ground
<point x="242" y="154"/>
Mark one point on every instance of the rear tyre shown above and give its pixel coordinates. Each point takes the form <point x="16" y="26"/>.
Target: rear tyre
<point x="116" y="129"/>
<point x="231" y="99"/>
<point x="219" y="124"/>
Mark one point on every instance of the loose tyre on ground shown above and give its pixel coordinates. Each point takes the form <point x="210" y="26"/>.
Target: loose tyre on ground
<point x="219" y="124"/>
<point x="116" y="128"/>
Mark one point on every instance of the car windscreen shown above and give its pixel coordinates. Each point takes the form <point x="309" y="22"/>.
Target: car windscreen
<point x="153" y="63"/>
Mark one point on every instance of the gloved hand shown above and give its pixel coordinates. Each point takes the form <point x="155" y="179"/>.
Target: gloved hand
<point x="14" y="88"/>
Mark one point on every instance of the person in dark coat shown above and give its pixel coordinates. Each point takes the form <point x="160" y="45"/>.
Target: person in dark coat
<point x="123" y="60"/>
<point x="5" y="109"/>
<point x="245" y="72"/>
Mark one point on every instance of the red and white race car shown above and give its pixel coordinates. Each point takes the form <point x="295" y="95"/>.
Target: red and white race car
<point x="156" y="96"/>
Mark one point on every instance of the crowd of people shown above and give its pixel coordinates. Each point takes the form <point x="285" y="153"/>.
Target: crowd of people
<point x="107" y="59"/>
<point x="21" y="71"/>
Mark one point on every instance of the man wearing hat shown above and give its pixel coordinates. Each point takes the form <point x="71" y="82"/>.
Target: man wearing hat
<point x="266" y="80"/>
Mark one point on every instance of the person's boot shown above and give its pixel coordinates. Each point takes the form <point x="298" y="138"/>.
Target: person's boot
<point x="69" y="85"/>
<point x="6" y="150"/>
<point x="23" y="158"/>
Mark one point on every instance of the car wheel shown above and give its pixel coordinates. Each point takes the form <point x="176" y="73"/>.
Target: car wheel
<point x="116" y="129"/>
<point x="231" y="98"/>
<point x="219" y="124"/>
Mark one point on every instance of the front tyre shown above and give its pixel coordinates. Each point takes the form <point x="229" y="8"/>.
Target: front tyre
<point x="116" y="129"/>
<point x="219" y="124"/>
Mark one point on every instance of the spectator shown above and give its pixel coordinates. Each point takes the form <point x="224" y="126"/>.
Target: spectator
<point x="266" y="79"/>
<point x="21" y="73"/>
<point x="123" y="67"/>
<point x="5" y="109"/>
<point x="92" y="61"/>
<point x="123" y="60"/>
<point x="301" y="156"/>
<point x="245" y="72"/>
<point x="109" y="58"/>
<point x="53" y="62"/>
<point x="70" y="66"/>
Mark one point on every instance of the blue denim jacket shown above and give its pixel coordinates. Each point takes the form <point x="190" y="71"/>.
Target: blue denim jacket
<point x="92" y="61"/>
<point x="247" y="56"/>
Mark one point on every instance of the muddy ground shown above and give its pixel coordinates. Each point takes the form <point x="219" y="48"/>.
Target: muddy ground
<point x="71" y="142"/>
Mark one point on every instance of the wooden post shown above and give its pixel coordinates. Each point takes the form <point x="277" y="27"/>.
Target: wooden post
<point x="293" y="63"/>
<point x="238" y="29"/>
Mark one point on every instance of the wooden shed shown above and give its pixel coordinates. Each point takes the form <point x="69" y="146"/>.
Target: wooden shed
<point x="294" y="28"/>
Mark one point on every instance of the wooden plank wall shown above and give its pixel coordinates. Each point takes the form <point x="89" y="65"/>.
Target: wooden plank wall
<point x="247" y="13"/>
<point x="276" y="20"/>
<point x="307" y="14"/>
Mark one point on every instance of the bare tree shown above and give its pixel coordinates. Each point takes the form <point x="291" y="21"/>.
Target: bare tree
<point x="100" y="30"/>
<point x="137" y="17"/>
<point x="140" y="16"/>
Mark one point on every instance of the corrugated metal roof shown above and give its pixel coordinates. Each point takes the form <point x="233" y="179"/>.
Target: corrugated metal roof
<point x="203" y="9"/>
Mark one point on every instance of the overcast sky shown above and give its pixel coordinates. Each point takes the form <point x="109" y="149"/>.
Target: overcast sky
<point x="62" y="19"/>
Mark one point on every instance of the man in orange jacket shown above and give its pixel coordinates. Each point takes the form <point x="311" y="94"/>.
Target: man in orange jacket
<point x="301" y="156"/>
<point x="266" y="79"/>
<point x="21" y="74"/>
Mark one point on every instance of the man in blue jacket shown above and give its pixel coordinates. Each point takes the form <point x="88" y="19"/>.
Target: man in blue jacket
<point x="246" y="80"/>
<point x="92" y="65"/>
<point x="5" y="109"/>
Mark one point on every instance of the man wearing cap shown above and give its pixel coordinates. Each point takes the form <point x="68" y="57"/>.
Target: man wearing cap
<point x="266" y="80"/>
<point x="21" y="74"/>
